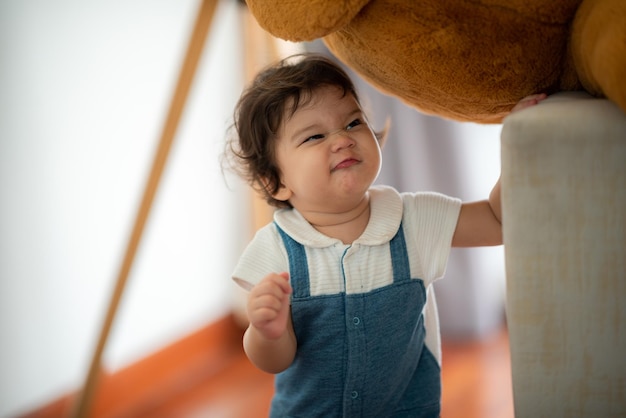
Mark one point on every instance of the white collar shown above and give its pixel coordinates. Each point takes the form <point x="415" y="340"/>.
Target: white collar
<point x="385" y="217"/>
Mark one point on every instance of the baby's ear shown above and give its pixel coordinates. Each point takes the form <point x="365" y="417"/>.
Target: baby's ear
<point x="282" y="194"/>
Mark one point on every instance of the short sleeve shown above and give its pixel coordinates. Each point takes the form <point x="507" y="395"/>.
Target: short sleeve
<point x="430" y="222"/>
<point x="264" y="254"/>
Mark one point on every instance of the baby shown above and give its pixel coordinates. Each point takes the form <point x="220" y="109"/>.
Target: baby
<point x="341" y="305"/>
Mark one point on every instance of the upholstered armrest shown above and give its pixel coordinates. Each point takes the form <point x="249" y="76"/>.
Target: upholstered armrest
<point x="564" y="213"/>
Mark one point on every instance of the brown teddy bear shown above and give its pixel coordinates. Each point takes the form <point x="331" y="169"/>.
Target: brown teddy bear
<point x="468" y="60"/>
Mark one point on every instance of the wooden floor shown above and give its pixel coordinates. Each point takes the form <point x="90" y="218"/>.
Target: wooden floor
<point x="476" y="384"/>
<point x="476" y="379"/>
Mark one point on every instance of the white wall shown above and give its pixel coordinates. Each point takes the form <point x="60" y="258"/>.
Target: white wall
<point x="84" y="88"/>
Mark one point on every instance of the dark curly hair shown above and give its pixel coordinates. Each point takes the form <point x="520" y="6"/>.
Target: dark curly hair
<point x="276" y="93"/>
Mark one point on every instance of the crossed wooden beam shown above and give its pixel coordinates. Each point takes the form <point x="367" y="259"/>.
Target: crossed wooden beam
<point x="260" y="47"/>
<point x="185" y="78"/>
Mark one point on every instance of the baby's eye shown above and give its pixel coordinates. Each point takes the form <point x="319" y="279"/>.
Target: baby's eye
<point x="313" y="138"/>
<point x="353" y="124"/>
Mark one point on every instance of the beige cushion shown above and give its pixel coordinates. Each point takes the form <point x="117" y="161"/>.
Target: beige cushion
<point x="564" y="212"/>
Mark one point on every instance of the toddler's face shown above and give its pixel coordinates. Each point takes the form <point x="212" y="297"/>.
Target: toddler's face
<point x="327" y="153"/>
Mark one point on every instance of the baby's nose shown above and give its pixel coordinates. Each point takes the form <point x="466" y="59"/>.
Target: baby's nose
<point x="341" y="139"/>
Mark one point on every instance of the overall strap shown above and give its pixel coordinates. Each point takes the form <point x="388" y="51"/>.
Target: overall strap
<point x="399" y="257"/>
<point x="298" y="266"/>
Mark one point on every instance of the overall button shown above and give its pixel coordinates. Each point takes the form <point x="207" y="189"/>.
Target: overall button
<point x="355" y="394"/>
<point x="356" y="320"/>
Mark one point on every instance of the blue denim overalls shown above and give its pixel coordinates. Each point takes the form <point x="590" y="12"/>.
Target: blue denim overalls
<point x="359" y="355"/>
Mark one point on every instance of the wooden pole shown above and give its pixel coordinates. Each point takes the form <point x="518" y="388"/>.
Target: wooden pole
<point x="190" y="63"/>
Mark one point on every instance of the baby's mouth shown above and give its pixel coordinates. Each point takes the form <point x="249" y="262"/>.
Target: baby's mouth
<point x="348" y="162"/>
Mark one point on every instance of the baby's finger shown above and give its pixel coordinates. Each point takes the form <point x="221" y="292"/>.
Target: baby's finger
<point x="266" y="301"/>
<point x="284" y="283"/>
<point x="262" y="316"/>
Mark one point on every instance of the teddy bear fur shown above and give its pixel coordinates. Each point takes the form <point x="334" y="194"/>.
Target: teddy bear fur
<point x="467" y="60"/>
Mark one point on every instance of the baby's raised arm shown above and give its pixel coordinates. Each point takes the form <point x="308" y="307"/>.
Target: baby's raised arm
<point x="269" y="341"/>
<point x="480" y="223"/>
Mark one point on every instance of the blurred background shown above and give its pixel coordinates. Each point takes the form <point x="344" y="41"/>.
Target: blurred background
<point x="84" y="88"/>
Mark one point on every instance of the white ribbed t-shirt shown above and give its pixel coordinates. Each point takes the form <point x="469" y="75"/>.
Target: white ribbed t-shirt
<point x="428" y="219"/>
